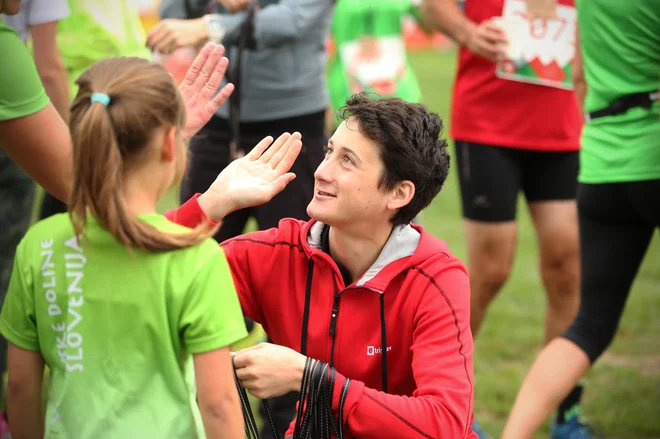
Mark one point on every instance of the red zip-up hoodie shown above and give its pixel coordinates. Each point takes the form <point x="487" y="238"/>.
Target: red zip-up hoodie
<point x="403" y="327"/>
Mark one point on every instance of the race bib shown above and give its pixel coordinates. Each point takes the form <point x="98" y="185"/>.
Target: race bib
<point x="542" y="50"/>
<point x="374" y="64"/>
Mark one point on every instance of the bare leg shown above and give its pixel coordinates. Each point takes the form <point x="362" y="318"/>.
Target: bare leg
<point x="491" y="247"/>
<point x="559" y="253"/>
<point x="555" y="373"/>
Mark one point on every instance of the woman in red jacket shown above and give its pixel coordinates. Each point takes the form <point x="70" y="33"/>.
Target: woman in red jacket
<point x="358" y="286"/>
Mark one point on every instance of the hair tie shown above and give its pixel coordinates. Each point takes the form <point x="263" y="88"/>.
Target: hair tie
<point x="101" y="98"/>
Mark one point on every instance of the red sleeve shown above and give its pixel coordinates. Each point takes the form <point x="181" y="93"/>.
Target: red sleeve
<point x="249" y="259"/>
<point x="189" y="214"/>
<point x="441" y="407"/>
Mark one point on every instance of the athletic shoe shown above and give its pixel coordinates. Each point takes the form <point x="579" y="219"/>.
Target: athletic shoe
<point x="576" y="427"/>
<point x="480" y="432"/>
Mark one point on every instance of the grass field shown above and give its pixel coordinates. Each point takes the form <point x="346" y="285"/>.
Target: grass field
<point x="623" y="390"/>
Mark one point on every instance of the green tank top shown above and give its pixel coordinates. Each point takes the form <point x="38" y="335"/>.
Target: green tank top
<point x="99" y="29"/>
<point x="369" y="51"/>
<point x="620" y="42"/>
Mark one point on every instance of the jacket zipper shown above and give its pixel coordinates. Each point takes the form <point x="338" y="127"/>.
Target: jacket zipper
<point x="335" y="314"/>
<point x="333" y="327"/>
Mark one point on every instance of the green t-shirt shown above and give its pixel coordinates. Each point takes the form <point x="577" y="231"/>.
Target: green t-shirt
<point x="620" y="42"/>
<point x="117" y="330"/>
<point x="364" y="27"/>
<point x="96" y="30"/>
<point x="21" y="91"/>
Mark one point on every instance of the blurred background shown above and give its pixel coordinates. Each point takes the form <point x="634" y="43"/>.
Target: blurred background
<point x="628" y="373"/>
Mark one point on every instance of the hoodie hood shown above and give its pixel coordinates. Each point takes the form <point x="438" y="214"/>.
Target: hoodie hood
<point x="408" y="245"/>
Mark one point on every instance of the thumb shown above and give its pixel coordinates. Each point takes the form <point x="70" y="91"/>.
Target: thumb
<point x="281" y="182"/>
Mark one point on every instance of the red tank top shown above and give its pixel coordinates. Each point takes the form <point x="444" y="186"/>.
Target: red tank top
<point x="501" y="112"/>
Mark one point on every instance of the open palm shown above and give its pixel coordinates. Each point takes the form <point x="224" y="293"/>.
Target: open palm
<point x="200" y="83"/>
<point x="255" y="178"/>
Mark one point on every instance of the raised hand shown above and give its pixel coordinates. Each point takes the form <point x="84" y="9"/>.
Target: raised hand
<point x="253" y="179"/>
<point x="201" y="81"/>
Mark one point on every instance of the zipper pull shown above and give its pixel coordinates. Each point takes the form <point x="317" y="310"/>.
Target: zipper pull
<point x="333" y="317"/>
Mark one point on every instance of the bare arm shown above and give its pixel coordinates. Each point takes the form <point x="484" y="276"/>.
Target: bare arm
<point x="577" y="74"/>
<point x="446" y="16"/>
<point x="217" y="395"/>
<point x="26" y="417"/>
<point x="484" y="39"/>
<point x="50" y="66"/>
<point x="41" y="144"/>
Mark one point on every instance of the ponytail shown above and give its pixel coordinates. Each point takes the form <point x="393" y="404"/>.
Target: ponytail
<point x="99" y="164"/>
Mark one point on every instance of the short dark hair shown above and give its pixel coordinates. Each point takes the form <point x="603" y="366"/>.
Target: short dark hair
<point x="408" y="136"/>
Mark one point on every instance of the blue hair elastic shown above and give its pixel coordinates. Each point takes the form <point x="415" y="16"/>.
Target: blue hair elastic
<point x="101" y="98"/>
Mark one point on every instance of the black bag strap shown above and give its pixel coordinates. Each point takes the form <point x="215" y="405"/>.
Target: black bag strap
<point x="314" y="419"/>
<point x="251" y="430"/>
<point x="242" y="40"/>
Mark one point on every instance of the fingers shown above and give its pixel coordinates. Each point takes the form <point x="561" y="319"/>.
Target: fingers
<point x="211" y="83"/>
<point x="490" y="49"/>
<point x="164" y="43"/>
<point x="258" y="150"/>
<point x="240" y="361"/>
<point x="210" y="87"/>
<point x="494" y="33"/>
<point x="280" y="183"/>
<point x="197" y="64"/>
<point x="289" y="158"/>
<point x="281" y="152"/>
<point x="244" y="373"/>
<point x="490" y="41"/>
<point x="213" y="69"/>
<point x="220" y="99"/>
<point x="281" y="141"/>
<point x="155" y="34"/>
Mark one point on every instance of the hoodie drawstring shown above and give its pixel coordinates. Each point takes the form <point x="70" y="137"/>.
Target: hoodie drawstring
<point x="308" y="299"/>
<point x="383" y="335"/>
<point x="305" y="324"/>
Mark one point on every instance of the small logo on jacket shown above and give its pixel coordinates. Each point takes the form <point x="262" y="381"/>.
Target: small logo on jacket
<point x="374" y="350"/>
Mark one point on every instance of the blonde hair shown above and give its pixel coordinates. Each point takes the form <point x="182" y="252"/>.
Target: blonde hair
<point x="143" y="98"/>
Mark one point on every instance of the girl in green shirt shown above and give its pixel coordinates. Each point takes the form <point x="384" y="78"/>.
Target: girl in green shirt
<point x="126" y="308"/>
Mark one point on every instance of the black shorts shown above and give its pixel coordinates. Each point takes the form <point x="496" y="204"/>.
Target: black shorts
<point x="492" y="176"/>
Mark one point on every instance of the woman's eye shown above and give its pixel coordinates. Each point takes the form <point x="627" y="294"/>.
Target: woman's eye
<point x="348" y="160"/>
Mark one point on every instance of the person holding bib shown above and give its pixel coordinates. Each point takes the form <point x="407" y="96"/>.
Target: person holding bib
<point x="516" y="124"/>
<point x="617" y="196"/>
<point x="369" y="52"/>
<point x="132" y="314"/>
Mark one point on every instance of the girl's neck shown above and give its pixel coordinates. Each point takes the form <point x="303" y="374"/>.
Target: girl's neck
<point x="141" y="193"/>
